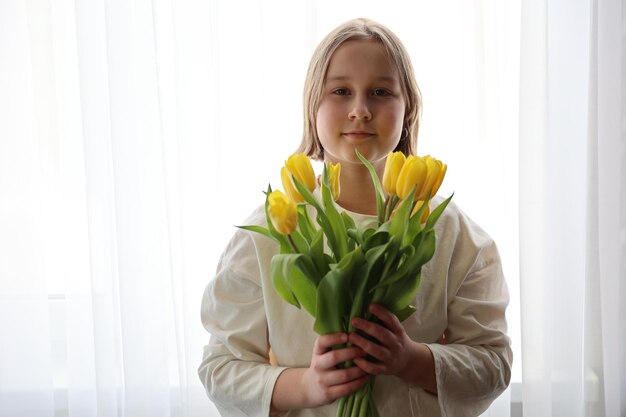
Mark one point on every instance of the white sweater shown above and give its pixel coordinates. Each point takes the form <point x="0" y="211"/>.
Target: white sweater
<point x="462" y="292"/>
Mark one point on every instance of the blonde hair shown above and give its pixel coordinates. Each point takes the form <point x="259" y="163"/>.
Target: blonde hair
<point x="359" y="29"/>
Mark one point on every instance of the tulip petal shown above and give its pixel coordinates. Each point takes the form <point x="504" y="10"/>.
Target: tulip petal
<point x="412" y="176"/>
<point x="437" y="184"/>
<point x="393" y="166"/>
<point x="300" y="166"/>
<point x="283" y="212"/>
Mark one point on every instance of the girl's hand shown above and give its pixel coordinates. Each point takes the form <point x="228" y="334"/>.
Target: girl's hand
<point x="394" y="351"/>
<point x="321" y="383"/>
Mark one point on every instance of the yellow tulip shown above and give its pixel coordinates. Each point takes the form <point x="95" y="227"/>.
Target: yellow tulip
<point x="412" y="174"/>
<point x="433" y="168"/>
<point x="426" y="213"/>
<point x="334" y="172"/>
<point x="300" y="167"/>
<point x="283" y="212"/>
<point x="395" y="161"/>
<point x="440" y="177"/>
<point x="289" y="186"/>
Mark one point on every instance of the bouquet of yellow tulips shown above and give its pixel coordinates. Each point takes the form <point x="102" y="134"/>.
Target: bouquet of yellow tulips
<point x="363" y="264"/>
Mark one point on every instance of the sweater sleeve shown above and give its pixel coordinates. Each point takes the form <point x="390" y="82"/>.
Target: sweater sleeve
<point x="235" y="369"/>
<point x="474" y="366"/>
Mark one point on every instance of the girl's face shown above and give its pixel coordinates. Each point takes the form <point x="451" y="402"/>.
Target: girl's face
<point x="362" y="104"/>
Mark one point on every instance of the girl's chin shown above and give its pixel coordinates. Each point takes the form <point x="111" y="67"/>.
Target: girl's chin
<point x="367" y="152"/>
<point x="347" y="154"/>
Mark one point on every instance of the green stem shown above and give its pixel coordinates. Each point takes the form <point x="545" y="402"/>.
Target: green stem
<point x="356" y="407"/>
<point x="390" y="204"/>
<point x="386" y="214"/>
<point x="349" y="405"/>
<point x="341" y="407"/>
<point x="309" y="220"/>
<point x="365" y="400"/>
<point x="293" y="244"/>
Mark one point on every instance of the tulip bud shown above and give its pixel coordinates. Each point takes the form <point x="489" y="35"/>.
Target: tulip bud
<point x="433" y="168"/>
<point x="289" y="186"/>
<point x="300" y="167"/>
<point x="283" y="212"/>
<point x="412" y="174"/>
<point x="334" y="172"/>
<point x="418" y="206"/>
<point x="437" y="184"/>
<point x="393" y="165"/>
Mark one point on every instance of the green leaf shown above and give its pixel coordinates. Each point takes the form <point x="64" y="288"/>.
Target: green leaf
<point x="425" y="250"/>
<point x="301" y="244"/>
<point x="348" y="221"/>
<point x="361" y="233"/>
<point x="322" y="217"/>
<point x="436" y="213"/>
<point x="280" y="280"/>
<point x="415" y="222"/>
<point x="400" y="295"/>
<point x="400" y="220"/>
<point x="335" y="219"/>
<point x="405" y="312"/>
<point x="304" y="223"/>
<point x="348" y="224"/>
<point x="353" y="235"/>
<point x="333" y="294"/>
<point x="259" y="229"/>
<point x="400" y="269"/>
<point x="302" y="277"/>
<point x="317" y="253"/>
<point x="380" y="195"/>
<point x="413" y="259"/>
<point x="372" y="238"/>
<point x="361" y="299"/>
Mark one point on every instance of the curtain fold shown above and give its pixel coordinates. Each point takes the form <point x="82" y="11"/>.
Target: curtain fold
<point x="605" y="371"/>
<point x="24" y="312"/>
<point x="572" y="193"/>
<point x="94" y="298"/>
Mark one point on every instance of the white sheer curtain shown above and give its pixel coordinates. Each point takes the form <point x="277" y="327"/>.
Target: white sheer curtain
<point x="100" y="195"/>
<point x="135" y="134"/>
<point x="572" y="205"/>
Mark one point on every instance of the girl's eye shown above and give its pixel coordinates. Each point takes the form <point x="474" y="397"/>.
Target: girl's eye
<point x="340" y="91"/>
<point x="379" y="92"/>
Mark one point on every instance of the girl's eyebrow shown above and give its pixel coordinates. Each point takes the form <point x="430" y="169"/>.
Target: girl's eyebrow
<point x="345" y="77"/>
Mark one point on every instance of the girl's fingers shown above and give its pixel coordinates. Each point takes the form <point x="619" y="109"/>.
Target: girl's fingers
<point x="344" y="376"/>
<point x="341" y="390"/>
<point x="387" y="317"/>
<point x="325" y="342"/>
<point x="332" y="358"/>
<point x="373" y="349"/>
<point x="329" y="358"/>
<point x="378" y="331"/>
<point x="370" y="367"/>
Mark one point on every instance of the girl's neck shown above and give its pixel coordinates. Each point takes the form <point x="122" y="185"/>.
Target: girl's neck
<point x="357" y="190"/>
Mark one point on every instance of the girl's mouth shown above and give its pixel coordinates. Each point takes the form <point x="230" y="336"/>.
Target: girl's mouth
<point x="358" y="134"/>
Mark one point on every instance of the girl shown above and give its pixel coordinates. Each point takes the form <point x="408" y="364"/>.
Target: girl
<point x="263" y="356"/>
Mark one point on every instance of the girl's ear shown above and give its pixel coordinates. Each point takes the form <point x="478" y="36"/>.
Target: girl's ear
<point x="405" y="134"/>
<point x="402" y="145"/>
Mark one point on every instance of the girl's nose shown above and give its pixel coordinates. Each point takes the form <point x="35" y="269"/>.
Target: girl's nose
<point x="360" y="110"/>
